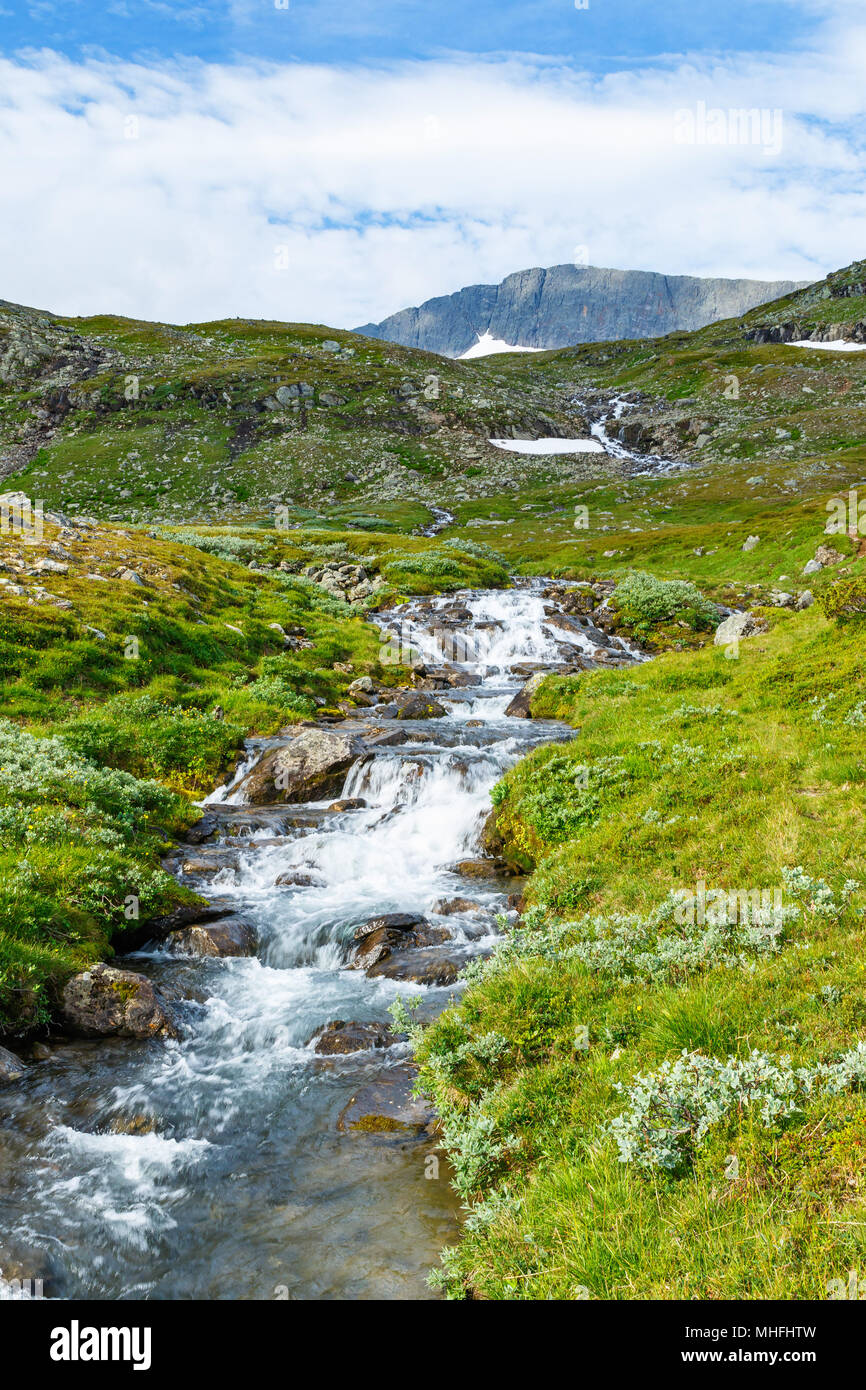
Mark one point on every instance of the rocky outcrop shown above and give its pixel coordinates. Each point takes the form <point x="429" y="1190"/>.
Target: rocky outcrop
<point x="310" y="768"/>
<point x="397" y="946"/>
<point x="551" y="308"/>
<point x="414" y="705"/>
<point x="379" y="936"/>
<point x="104" y="1002"/>
<point x="446" y="906"/>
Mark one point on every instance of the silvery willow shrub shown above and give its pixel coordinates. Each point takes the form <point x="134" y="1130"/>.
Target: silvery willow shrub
<point x="643" y="601"/>
<point x="816" y="896"/>
<point x="322" y="599"/>
<point x="397" y="564"/>
<point x="651" y="946"/>
<point x="187" y="740"/>
<point x="224" y="547"/>
<point x="38" y="769"/>
<point x="672" y="1109"/>
<point x="479" y="550"/>
<point x="687" y="713"/>
<point x="276" y="690"/>
<point x="474" y="1143"/>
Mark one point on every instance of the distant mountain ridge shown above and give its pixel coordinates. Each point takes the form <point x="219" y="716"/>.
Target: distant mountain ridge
<point x="565" y="304"/>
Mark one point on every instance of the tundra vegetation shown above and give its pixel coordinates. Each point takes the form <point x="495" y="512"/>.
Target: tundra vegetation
<point x="653" y="1088"/>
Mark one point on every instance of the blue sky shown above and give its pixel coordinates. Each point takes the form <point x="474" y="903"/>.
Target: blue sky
<point x="606" y="35"/>
<point x="335" y="161"/>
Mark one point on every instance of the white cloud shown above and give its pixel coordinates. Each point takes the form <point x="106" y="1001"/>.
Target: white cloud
<point x="380" y="188"/>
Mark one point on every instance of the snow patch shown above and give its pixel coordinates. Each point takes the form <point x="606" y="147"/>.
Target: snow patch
<point x="487" y="345"/>
<point x="550" y="446"/>
<point x="836" y="345"/>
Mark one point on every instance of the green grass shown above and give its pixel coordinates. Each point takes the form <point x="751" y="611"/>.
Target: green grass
<point x="701" y="769"/>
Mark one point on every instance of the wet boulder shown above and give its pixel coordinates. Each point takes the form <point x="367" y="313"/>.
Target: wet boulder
<point x="394" y="938"/>
<point x="104" y="1002"/>
<point x="388" y="1106"/>
<point x="310" y="768"/>
<point x="416" y="705"/>
<point x="390" y="921"/>
<point x="297" y="878"/>
<point x="229" y="936"/>
<point x="378" y="937"/>
<point x="484" y="868"/>
<point x="446" y="678"/>
<point x="221" y="858"/>
<point x="341" y="1037"/>
<point x="521" y="705"/>
<point x="446" y="906"/>
<point x="204" y="829"/>
<point x="419" y="966"/>
<point x="11" y="1067"/>
<point x="348" y="803"/>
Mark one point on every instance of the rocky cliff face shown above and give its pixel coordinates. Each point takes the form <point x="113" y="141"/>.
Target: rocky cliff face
<point x="573" y="304"/>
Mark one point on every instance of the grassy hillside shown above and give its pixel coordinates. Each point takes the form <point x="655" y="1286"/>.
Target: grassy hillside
<point x="201" y="638"/>
<point x="200" y="476"/>
<point x="142" y="421"/>
<point x="590" y="1169"/>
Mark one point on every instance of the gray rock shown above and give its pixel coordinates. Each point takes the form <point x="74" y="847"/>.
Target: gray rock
<point x="826" y="555"/>
<point x="812" y="567"/>
<point x="230" y="936"/>
<point x="805" y="600"/>
<point x="421" y="967"/>
<point x="751" y="542"/>
<point x="341" y="1037"/>
<point x="415" y="705"/>
<point x="520" y="706"/>
<point x="565" y="304"/>
<point x="310" y="768"/>
<point x="104" y="1002"/>
<point x="11" y="1067"/>
<point x="736" y="627"/>
<point x="390" y="921"/>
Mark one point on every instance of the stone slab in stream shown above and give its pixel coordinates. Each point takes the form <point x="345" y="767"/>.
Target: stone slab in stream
<point x="388" y="1106"/>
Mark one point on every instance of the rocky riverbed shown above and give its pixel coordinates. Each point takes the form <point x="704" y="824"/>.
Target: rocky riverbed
<point x="230" y="1115"/>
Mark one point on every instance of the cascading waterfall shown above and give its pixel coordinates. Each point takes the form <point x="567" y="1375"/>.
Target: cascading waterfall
<point x="212" y="1166"/>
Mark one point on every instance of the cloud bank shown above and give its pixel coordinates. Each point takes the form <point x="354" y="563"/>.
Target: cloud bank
<point x="338" y="195"/>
